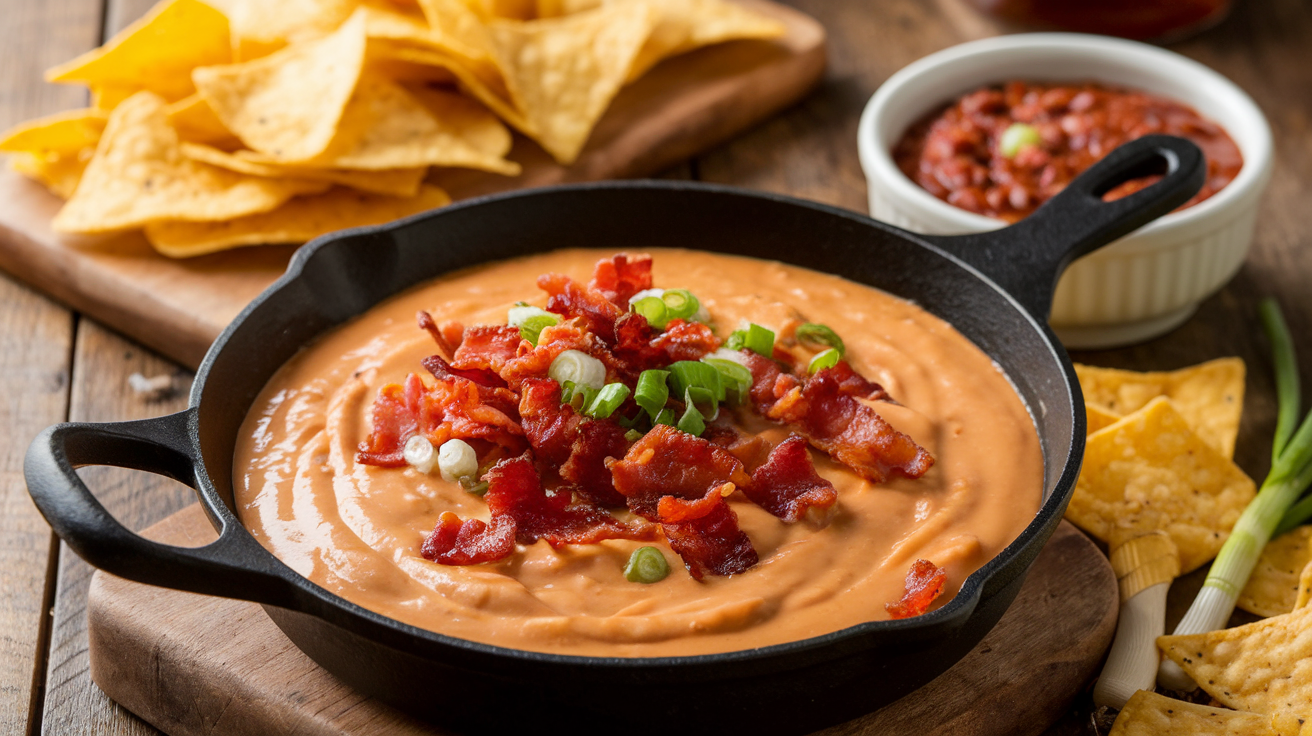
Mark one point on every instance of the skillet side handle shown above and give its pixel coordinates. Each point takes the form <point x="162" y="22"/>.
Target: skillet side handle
<point x="1027" y="258"/>
<point x="234" y="566"/>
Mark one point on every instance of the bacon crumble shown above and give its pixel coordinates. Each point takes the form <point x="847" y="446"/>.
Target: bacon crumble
<point x="924" y="584"/>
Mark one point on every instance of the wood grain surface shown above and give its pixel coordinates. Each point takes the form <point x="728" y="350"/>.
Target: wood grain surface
<point x="809" y="151"/>
<point x="194" y="665"/>
<point x="683" y="106"/>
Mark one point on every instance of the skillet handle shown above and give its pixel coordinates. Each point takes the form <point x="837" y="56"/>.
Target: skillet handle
<point x="234" y="566"/>
<point x="1027" y="258"/>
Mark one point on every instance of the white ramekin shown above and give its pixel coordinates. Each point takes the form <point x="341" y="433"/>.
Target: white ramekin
<point x="1146" y="283"/>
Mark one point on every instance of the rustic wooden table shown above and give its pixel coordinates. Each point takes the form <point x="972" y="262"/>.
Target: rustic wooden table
<point x="57" y="365"/>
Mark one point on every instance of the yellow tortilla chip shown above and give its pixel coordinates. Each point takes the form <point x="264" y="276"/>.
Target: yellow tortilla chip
<point x="391" y="182"/>
<point x="1210" y="396"/>
<point x="453" y="20"/>
<point x="288" y="104"/>
<point x="1151" y="471"/>
<point x="61" y="133"/>
<point x="1273" y="586"/>
<point x="490" y="91"/>
<point x="409" y="29"/>
<point x="195" y="121"/>
<point x="1098" y="417"/>
<point x="261" y="27"/>
<point x="387" y="127"/>
<point x="106" y="97"/>
<point x="512" y="9"/>
<point x="1304" y="586"/>
<point x="298" y="221"/>
<point x="139" y="175"/>
<point x="1262" y="667"/>
<point x="1149" y="714"/>
<point x="684" y="25"/>
<point x="156" y="53"/>
<point x="562" y="73"/>
<point x="60" y="173"/>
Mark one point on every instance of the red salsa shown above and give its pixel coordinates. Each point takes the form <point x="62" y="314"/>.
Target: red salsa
<point x="965" y="154"/>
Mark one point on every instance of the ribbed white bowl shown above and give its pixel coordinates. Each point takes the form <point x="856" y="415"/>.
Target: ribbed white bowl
<point x="1147" y="282"/>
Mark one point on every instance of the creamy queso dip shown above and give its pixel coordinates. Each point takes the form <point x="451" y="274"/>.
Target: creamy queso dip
<point x="356" y="529"/>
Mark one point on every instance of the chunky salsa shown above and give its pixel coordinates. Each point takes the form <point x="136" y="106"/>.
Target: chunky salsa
<point x="1002" y="151"/>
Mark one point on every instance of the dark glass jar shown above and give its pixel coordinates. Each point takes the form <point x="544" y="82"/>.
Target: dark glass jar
<point x="1158" y="20"/>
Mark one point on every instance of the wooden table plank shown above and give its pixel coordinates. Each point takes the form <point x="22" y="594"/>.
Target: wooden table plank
<point x="35" y="337"/>
<point x="101" y="365"/>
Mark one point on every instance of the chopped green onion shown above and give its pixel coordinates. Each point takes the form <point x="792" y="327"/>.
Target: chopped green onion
<point x="646" y="565"/>
<point x="735" y="377"/>
<point x="687" y="374"/>
<point x="692" y="421"/>
<point x="759" y="340"/>
<point x="680" y="304"/>
<point x="737" y="340"/>
<point x="456" y="459"/>
<point x="817" y="336"/>
<point x="654" y="309"/>
<point x="632" y="435"/>
<point x="1291" y="473"/>
<point x="702" y="397"/>
<point x="530" y="320"/>
<point x="1287" y="389"/>
<point x="666" y="417"/>
<point x="1017" y="136"/>
<point x="822" y="360"/>
<point x="473" y="485"/>
<point x="579" y="367"/>
<point x="607" y="400"/>
<point x="652" y="393"/>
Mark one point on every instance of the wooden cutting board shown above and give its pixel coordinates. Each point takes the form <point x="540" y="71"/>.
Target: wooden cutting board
<point x="193" y="665"/>
<point x="683" y="106"/>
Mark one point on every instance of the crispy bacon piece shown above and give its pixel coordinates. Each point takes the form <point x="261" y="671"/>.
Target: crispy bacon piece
<point x="833" y="420"/>
<point x="667" y="462"/>
<point x="856" y="385"/>
<point x="787" y="484"/>
<point x="447" y="336"/>
<point x="487" y="347"/>
<point x="515" y="491"/>
<point x="597" y="313"/>
<point x="482" y="376"/>
<point x="533" y="361"/>
<point x="451" y="408"/>
<point x="576" y="446"/>
<point x="639" y="347"/>
<point x="924" y="584"/>
<point x="621" y="276"/>
<point x="469" y="542"/>
<point x="705" y="533"/>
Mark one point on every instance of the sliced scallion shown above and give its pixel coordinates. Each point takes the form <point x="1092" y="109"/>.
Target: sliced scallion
<point x="652" y="393"/>
<point x="692" y="421"/>
<point x="687" y="374"/>
<point x="646" y="565"/>
<point x="654" y="310"/>
<point x="680" y="304"/>
<point x="1291" y="473"/>
<point x="579" y="367"/>
<point x="666" y="417"/>
<point x="530" y="321"/>
<point x="759" y="340"/>
<point x="632" y="435"/>
<point x="824" y="359"/>
<point x="737" y="340"/>
<point x="608" y="399"/>
<point x="735" y="377"/>
<point x="818" y="337"/>
<point x="473" y="485"/>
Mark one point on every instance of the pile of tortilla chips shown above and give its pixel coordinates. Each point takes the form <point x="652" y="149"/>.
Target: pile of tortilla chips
<point x="1158" y="456"/>
<point x="242" y="122"/>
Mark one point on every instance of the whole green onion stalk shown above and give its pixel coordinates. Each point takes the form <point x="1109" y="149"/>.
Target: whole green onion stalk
<point x="1274" y="507"/>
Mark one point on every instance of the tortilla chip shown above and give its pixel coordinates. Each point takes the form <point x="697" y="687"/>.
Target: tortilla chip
<point x="298" y="221"/>
<point x="288" y="104"/>
<point x="59" y="173"/>
<point x="453" y="20"/>
<point x="1210" y="396"/>
<point x="491" y="91"/>
<point x="562" y="73"/>
<point x="1304" y="587"/>
<point x="195" y="121"/>
<point x="1150" y="714"/>
<point x="391" y="182"/>
<point x="1262" y="667"/>
<point x="62" y="133"/>
<point x="684" y="25"/>
<point x="1099" y="418"/>
<point x="106" y="97"/>
<point x="1273" y="586"/>
<point x="1151" y="471"/>
<point x="156" y="53"/>
<point x="511" y="9"/>
<point x="556" y="8"/>
<point x="414" y="30"/>
<point x="387" y="127"/>
<point x="262" y="27"/>
<point x="139" y="175"/>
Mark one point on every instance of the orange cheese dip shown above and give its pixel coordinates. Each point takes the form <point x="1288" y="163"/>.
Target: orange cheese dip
<point x="356" y="530"/>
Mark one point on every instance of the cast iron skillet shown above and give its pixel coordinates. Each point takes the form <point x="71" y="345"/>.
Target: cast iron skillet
<point x="995" y="287"/>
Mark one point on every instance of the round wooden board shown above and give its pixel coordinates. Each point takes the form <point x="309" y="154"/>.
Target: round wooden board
<point x="193" y="665"/>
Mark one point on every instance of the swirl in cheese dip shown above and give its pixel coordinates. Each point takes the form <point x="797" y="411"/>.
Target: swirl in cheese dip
<point x="356" y="529"/>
